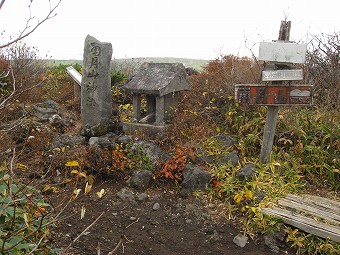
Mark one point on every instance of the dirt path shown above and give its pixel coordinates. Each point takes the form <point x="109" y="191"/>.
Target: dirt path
<point x="155" y="222"/>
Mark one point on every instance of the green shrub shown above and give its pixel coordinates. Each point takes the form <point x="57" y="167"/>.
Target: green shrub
<point x="23" y="217"/>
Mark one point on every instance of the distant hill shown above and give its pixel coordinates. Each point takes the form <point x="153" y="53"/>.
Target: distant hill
<point x="198" y="64"/>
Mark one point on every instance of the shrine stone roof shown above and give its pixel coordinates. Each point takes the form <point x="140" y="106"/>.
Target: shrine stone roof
<point x="159" y="79"/>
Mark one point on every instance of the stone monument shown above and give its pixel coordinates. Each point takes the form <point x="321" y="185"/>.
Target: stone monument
<point x="96" y="98"/>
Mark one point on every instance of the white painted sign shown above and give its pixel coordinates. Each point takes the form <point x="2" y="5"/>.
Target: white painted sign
<point x="282" y="75"/>
<point x="285" y="52"/>
<point x="74" y="74"/>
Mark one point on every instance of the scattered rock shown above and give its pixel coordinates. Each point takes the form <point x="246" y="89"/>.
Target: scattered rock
<point x="240" y="240"/>
<point x="58" y="122"/>
<point x="232" y="158"/>
<point x="202" y="157"/>
<point x="44" y="114"/>
<point x="67" y="140"/>
<point x="194" y="178"/>
<point x="225" y="140"/>
<point x="140" y="180"/>
<point x="141" y="196"/>
<point x="274" y="240"/>
<point x="124" y="139"/>
<point x="153" y="152"/>
<point x="246" y="172"/>
<point x="105" y="141"/>
<point x="126" y="195"/>
<point x="260" y="195"/>
<point x="94" y="141"/>
<point x="156" y="206"/>
<point x="49" y="104"/>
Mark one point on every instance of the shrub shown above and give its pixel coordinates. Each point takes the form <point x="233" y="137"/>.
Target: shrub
<point x="24" y="216"/>
<point x="323" y="69"/>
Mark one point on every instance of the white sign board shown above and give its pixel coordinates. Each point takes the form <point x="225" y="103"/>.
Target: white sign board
<point x="74" y="74"/>
<point x="282" y="75"/>
<point x="285" y="52"/>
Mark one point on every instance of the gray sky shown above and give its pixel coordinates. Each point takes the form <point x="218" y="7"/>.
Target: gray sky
<point x="198" y="29"/>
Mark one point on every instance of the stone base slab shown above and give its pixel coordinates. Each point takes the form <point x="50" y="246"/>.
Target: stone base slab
<point x="132" y="128"/>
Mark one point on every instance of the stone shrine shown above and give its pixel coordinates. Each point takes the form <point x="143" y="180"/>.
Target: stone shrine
<point x="96" y="98"/>
<point x="161" y="84"/>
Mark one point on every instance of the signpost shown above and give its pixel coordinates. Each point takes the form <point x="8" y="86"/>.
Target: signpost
<point x="277" y="90"/>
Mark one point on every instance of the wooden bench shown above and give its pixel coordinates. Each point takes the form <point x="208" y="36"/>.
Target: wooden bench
<point x="315" y="215"/>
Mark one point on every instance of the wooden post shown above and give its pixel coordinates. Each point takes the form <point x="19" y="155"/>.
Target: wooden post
<point x="272" y="112"/>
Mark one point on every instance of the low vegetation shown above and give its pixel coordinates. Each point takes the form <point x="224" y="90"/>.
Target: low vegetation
<point x="305" y="156"/>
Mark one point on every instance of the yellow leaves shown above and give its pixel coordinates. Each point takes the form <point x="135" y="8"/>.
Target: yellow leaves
<point x="249" y="195"/>
<point x="21" y="166"/>
<point x="238" y="198"/>
<point x="76" y="193"/>
<point x="100" y="193"/>
<point x="3" y="166"/>
<point x="72" y="163"/>
<point x="46" y="188"/>
<point x="243" y="195"/>
<point x="62" y="149"/>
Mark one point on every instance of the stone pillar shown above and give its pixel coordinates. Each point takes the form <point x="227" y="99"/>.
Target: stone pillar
<point x="96" y="96"/>
<point x="136" y="107"/>
<point x="160" y="111"/>
<point x="150" y="104"/>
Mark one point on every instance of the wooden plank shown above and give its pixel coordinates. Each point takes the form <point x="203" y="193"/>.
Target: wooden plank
<point x="306" y="224"/>
<point x="303" y="207"/>
<point x="324" y="201"/>
<point x="317" y="202"/>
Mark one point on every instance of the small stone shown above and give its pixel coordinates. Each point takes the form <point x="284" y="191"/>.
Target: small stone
<point x="188" y="221"/>
<point x="114" y="214"/>
<point x="240" y="240"/>
<point x="156" y="207"/>
<point x="141" y="196"/>
<point x="133" y="218"/>
<point x="94" y="141"/>
<point x="246" y="172"/>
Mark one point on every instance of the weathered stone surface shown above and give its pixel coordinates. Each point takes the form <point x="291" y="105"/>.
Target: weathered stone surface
<point x="225" y="140"/>
<point x="232" y="158"/>
<point x="67" y="140"/>
<point x="44" y="114"/>
<point x="96" y="99"/>
<point x="156" y="206"/>
<point x="126" y="195"/>
<point x="152" y="151"/>
<point x="106" y="141"/>
<point x="124" y="139"/>
<point x="246" y="172"/>
<point x="275" y="240"/>
<point x="140" y="180"/>
<point x="240" y="240"/>
<point x="194" y="178"/>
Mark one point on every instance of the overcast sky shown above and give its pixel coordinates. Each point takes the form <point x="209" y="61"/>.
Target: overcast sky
<point x="200" y="29"/>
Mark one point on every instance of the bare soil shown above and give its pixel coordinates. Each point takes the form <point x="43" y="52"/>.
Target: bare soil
<point x="189" y="226"/>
